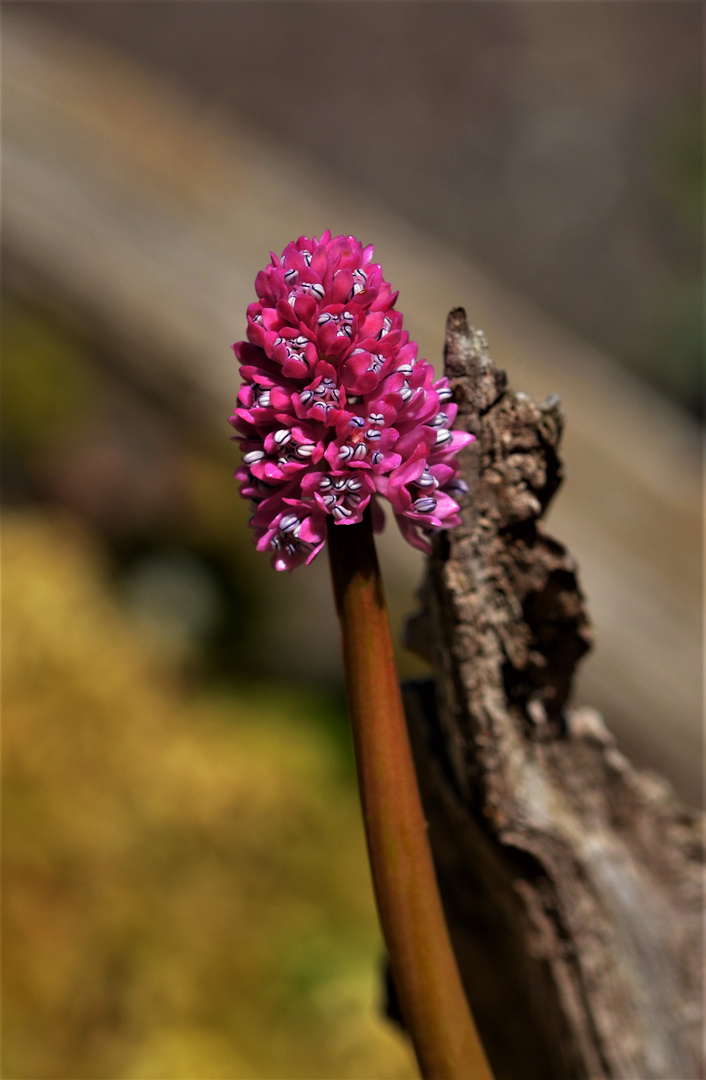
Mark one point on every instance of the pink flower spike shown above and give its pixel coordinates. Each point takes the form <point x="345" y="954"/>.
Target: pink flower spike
<point x="335" y="409"/>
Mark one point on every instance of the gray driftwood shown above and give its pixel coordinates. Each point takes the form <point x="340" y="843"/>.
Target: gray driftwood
<point x="572" y="881"/>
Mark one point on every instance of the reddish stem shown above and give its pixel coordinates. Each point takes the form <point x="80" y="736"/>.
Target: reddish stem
<point x="424" y="969"/>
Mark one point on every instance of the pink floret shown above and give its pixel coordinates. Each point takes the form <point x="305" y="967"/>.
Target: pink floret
<point x="335" y="408"/>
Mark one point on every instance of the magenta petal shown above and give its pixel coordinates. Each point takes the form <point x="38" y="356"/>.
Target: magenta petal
<point x="410" y="533"/>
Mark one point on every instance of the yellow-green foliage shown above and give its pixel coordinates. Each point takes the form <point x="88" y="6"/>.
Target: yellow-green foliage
<point x="186" y="887"/>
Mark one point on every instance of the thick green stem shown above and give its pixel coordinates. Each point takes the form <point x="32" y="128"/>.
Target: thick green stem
<point x="423" y="965"/>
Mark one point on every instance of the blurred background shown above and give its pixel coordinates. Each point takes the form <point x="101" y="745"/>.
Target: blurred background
<point x="185" y="883"/>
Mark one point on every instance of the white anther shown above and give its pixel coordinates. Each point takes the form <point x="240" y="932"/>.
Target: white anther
<point x="264" y="400"/>
<point x="282" y="436"/>
<point x="325" y="483"/>
<point x="291" y="276"/>
<point x="252" y="456"/>
<point x="360" y="451"/>
<point x="376" y="418"/>
<point x="425" y="480"/>
<point x="345" y="452"/>
<point x="288" y="523"/>
<point x="353" y="484"/>
<point x="342" y="512"/>
<point x="424" y="505"/>
<point x="305" y="449"/>
<point x="443" y="435"/>
<point x="445" y="394"/>
<point x="373" y="433"/>
<point x="439" y="420"/>
<point x="306" y="396"/>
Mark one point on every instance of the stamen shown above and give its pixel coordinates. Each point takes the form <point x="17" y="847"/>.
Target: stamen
<point x="252" y="456"/>
<point x="282" y="436"/>
<point x="359" y="282"/>
<point x="425" y="505"/>
<point x="443" y="435"/>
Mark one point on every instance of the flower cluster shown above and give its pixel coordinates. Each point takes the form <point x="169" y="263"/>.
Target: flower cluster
<point x="335" y="408"/>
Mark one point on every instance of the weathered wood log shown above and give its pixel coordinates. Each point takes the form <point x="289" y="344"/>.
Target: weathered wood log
<point x="571" y="880"/>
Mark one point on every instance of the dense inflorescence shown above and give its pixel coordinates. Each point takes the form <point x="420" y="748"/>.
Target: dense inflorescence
<point x="335" y="408"/>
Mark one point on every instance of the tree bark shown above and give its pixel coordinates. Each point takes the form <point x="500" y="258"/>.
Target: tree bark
<point x="571" y="881"/>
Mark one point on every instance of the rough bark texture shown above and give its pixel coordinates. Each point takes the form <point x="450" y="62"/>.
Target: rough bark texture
<point x="572" y="881"/>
